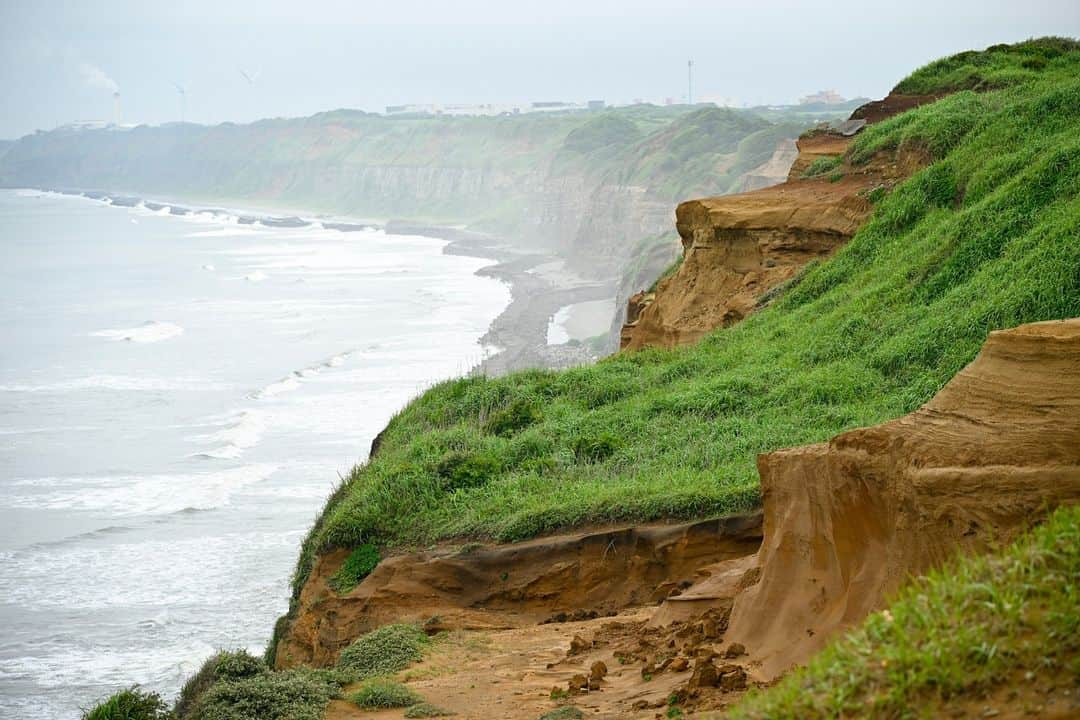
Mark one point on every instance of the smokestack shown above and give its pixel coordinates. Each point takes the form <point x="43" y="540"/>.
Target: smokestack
<point x="116" y="108"/>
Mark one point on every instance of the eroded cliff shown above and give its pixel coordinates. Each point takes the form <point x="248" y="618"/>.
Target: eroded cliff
<point x="849" y="521"/>
<point x="737" y="248"/>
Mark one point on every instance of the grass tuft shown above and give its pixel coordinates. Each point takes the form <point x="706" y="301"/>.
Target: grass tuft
<point x="377" y="694"/>
<point x="357" y="566"/>
<point x="383" y="651"/>
<point x="823" y="166"/>
<point x="130" y="704"/>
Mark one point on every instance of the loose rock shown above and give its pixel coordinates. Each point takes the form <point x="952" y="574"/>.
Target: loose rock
<point x="734" y="650"/>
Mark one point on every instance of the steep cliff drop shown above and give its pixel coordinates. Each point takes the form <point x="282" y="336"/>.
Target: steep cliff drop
<point x="736" y="248"/>
<point x="848" y="521"/>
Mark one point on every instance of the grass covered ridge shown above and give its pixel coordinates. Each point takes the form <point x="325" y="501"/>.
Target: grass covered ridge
<point x="966" y="629"/>
<point x="987" y="237"/>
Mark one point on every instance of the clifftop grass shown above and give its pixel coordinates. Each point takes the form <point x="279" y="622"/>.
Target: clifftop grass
<point x="997" y="66"/>
<point x="987" y="237"/>
<point x="950" y="637"/>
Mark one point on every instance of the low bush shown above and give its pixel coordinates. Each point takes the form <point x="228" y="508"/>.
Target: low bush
<point x="384" y="694"/>
<point x="226" y="664"/>
<point x="383" y="651"/>
<point x="130" y="704"/>
<point x="298" y="694"/>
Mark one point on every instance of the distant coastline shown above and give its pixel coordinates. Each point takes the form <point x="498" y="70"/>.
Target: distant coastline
<point x="516" y="339"/>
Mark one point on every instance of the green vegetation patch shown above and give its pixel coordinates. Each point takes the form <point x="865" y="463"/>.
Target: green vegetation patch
<point x="384" y="694"/>
<point x="383" y="651"/>
<point x="299" y="694"/>
<point x="357" y="566"/>
<point x="823" y="165"/>
<point x="997" y="66"/>
<point x="224" y="665"/>
<point x="961" y="630"/>
<point x="234" y="685"/>
<point x="130" y="704"/>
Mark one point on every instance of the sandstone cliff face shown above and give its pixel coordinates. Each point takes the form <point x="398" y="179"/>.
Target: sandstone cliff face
<point x="582" y="575"/>
<point x="738" y="247"/>
<point x="848" y="521"/>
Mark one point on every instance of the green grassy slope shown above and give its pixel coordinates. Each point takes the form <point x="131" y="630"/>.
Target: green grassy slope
<point x="951" y="637"/>
<point x="986" y="237"/>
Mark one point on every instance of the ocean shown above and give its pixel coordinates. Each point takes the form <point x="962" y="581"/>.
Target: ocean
<point x="178" y="395"/>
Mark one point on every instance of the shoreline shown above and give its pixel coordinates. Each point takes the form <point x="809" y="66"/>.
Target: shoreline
<point x="519" y="332"/>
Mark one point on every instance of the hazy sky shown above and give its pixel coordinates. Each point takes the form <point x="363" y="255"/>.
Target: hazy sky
<point x="60" y="60"/>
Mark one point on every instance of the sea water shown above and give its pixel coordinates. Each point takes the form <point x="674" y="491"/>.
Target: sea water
<point x="178" y="395"/>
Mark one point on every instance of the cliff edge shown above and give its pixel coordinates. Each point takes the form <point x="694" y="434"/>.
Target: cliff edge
<point x="737" y="248"/>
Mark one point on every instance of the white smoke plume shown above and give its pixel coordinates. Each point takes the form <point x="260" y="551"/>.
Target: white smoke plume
<point x="95" y="77"/>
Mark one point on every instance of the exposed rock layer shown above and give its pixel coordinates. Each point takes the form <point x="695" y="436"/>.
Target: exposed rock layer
<point x="848" y="521"/>
<point x="736" y="248"/>
<point x="509" y="585"/>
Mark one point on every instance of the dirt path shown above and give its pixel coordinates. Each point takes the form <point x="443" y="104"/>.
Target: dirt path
<point x="510" y="674"/>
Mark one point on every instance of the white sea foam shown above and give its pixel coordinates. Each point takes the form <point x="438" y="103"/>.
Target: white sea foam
<point x="149" y="332"/>
<point x="276" y="388"/>
<point x="237" y="434"/>
<point x="209" y="267"/>
<point x="118" y="383"/>
<point x="129" y="495"/>
<point x="256" y="276"/>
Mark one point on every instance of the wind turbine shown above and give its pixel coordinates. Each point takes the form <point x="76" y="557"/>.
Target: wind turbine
<point x="183" y="100"/>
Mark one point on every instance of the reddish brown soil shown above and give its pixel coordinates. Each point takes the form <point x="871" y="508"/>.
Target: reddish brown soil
<point x="845" y="523"/>
<point x="588" y="573"/>
<point x="736" y="248"/>
<point x="848" y="521"/>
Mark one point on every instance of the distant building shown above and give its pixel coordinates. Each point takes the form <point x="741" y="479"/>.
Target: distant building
<point x="824" y="97"/>
<point x="411" y="109"/>
<point x="596" y="104"/>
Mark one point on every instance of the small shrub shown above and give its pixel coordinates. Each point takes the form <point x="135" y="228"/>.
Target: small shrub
<point x="223" y="665"/>
<point x="384" y="694"/>
<point x="236" y="664"/>
<point x="130" y="704"/>
<point x="822" y="166"/>
<point x="516" y="416"/>
<point x="383" y="651"/>
<point x="596" y="448"/>
<point x="356" y="567"/>
<point x="466" y="470"/>
<point x="426" y="710"/>
<point x="300" y="694"/>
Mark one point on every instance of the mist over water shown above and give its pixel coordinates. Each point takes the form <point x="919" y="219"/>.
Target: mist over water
<point x="178" y="395"/>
